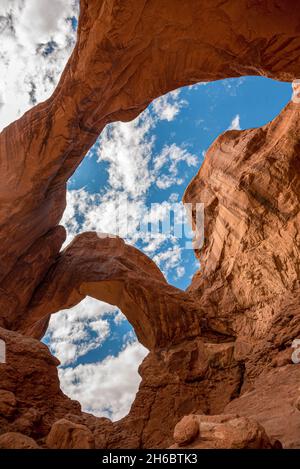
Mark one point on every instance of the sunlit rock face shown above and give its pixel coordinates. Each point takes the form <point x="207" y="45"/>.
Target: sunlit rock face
<point x="210" y="345"/>
<point x="249" y="282"/>
<point x="250" y="185"/>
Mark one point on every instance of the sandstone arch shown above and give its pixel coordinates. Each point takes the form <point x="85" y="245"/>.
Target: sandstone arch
<point x="109" y="270"/>
<point x="127" y="54"/>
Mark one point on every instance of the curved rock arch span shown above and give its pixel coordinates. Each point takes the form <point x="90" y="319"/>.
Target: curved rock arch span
<point x="109" y="270"/>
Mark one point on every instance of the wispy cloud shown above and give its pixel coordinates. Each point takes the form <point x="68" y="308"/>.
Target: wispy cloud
<point x="168" y="106"/>
<point x="133" y="168"/>
<point x="235" y="123"/>
<point x="127" y="148"/>
<point x="166" y="165"/>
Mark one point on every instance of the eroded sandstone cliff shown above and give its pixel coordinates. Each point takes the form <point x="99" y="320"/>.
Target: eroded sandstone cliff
<point x="249" y="281"/>
<point x="222" y="347"/>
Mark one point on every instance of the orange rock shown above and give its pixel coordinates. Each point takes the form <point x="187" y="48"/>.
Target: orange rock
<point x="7" y="403"/>
<point x="271" y="401"/>
<point x="30" y="386"/>
<point x="28" y="422"/>
<point x="250" y="185"/>
<point x="69" y="435"/>
<point x="186" y="430"/>
<point x="221" y="432"/>
<point x="13" y="440"/>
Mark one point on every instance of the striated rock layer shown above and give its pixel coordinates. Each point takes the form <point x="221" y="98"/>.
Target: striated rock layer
<point x="250" y="186"/>
<point x="222" y="347"/>
<point x="248" y="285"/>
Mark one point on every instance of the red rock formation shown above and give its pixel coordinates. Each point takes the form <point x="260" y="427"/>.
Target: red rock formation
<point x="124" y="58"/>
<point x="176" y="380"/>
<point x="245" y="298"/>
<point x="220" y="432"/>
<point x="250" y="185"/>
<point x="111" y="271"/>
<point x="30" y="393"/>
<point x="273" y="401"/>
<point x="249" y="282"/>
<point x="13" y="440"/>
<point x="69" y="435"/>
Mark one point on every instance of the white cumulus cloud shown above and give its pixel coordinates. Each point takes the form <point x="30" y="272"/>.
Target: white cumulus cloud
<point x="106" y="388"/>
<point x="74" y="332"/>
<point x="37" y="38"/>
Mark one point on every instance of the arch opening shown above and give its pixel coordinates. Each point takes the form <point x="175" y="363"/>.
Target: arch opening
<point x="167" y="165"/>
<point x="99" y="355"/>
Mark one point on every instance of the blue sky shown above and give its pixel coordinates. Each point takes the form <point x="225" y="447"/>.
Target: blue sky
<point x="150" y="160"/>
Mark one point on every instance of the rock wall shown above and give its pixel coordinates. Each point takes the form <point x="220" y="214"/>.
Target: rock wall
<point x="248" y="285"/>
<point x="222" y="346"/>
<point x="250" y="185"/>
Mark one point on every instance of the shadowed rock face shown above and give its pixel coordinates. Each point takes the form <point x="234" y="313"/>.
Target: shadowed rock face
<point x="245" y="298"/>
